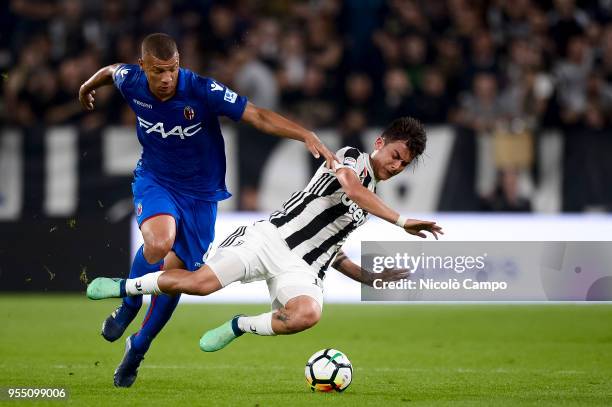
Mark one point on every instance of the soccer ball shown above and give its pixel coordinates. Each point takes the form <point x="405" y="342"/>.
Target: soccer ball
<point x="329" y="370"/>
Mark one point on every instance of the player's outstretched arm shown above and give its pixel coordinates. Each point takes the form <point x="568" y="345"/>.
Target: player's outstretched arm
<point x="344" y="265"/>
<point x="101" y="78"/>
<point x="370" y="202"/>
<point x="273" y="123"/>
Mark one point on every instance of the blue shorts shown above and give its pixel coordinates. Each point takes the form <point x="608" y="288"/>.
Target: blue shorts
<point x="195" y="219"/>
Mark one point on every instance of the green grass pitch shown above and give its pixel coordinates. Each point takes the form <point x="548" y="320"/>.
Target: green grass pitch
<point x="402" y="355"/>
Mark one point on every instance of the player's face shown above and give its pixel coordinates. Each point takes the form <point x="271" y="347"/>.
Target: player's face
<point x="161" y="75"/>
<point x="390" y="158"/>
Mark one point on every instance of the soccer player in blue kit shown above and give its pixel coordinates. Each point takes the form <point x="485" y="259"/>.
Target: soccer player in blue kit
<point x="180" y="176"/>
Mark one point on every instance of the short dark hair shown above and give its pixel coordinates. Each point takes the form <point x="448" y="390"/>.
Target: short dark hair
<point x="409" y="130"/>
<point x="159" y="45"/>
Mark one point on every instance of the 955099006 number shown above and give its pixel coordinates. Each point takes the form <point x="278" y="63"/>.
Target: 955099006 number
<point x="15" y="393"/>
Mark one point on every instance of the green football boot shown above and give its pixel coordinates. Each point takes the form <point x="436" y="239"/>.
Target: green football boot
<point x="221" y="336"/>
<point x="103" y="287"/>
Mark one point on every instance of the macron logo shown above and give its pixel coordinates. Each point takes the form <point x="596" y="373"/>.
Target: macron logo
<point x="123" y="72"/>
<point x="143" y="104"/>
<point x="215" y="86"/>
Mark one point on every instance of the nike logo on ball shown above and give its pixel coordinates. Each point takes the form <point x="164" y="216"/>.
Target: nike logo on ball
<point x="333" y="357"/>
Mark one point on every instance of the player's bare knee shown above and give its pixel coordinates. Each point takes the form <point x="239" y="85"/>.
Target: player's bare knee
<point x="157" y="247"/>
<point x="310" y="315"/>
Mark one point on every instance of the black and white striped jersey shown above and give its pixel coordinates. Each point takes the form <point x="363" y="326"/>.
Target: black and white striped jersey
<point x="316" y="221"/>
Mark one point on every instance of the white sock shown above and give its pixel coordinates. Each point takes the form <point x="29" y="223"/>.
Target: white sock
<point x="258" y="325"/>
<point x="146" y="284"/>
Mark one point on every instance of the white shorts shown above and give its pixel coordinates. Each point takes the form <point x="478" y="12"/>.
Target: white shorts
<point x="258" y="252"/>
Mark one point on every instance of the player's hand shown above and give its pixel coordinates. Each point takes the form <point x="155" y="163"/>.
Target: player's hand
<point x="416" y="227"/>
<point x="318" y="149"/>
<point x="86" y="98"/>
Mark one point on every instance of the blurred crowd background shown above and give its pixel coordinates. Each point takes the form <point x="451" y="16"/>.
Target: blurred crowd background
<point x="505" y="70"/>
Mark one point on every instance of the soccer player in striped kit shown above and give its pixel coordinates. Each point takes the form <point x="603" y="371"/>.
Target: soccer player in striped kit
<point x="292" y="250"/>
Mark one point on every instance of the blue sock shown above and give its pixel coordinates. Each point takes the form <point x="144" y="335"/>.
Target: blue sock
<point x="160" y="311"/>
<point x="140" y="267"/>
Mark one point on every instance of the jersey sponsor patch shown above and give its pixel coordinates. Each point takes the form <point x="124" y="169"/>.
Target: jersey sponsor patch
<point x="350" y="162"/>
<point x="230" y="96"/>
<point x="358" y="215"/>
<point x="158" y="127"/>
